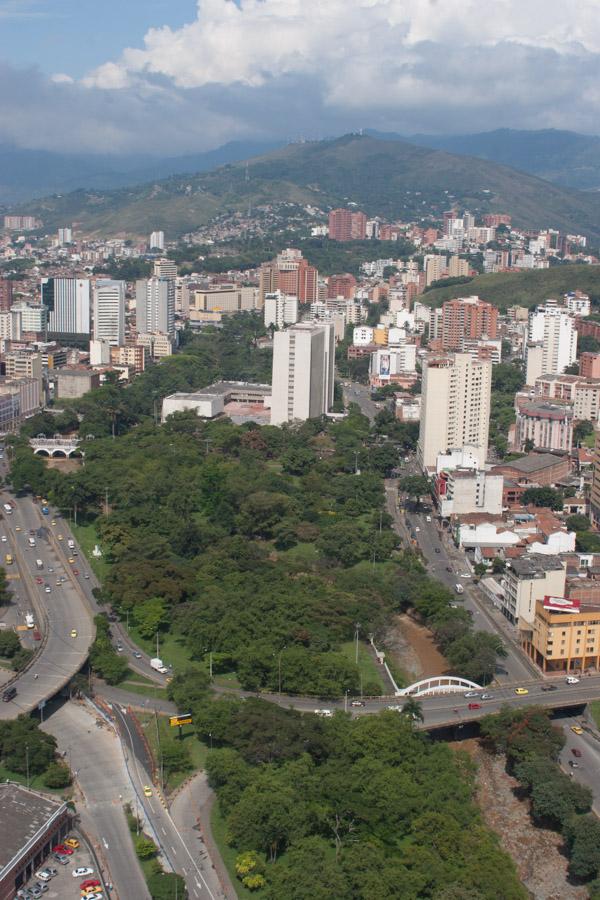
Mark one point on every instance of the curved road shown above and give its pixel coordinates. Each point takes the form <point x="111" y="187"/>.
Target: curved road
<point x="57" y="613"/>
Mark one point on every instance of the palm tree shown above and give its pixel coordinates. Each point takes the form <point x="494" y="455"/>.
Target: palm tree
<point x="413" y="710"/>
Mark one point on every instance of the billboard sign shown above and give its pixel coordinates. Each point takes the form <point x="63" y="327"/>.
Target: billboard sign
<point x="562" y="604"/>
<point x="384" y="365"/>
<point x="182" y="719"/>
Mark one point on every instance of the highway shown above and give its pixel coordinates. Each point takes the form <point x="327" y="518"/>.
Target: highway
<point x="57" y="613"/>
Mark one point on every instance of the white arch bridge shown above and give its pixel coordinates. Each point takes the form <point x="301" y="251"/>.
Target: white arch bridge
<point x="439" y="684"/>
<point x="56" y="447"/>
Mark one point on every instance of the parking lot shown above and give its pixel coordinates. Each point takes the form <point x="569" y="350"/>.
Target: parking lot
<point x="64" y="885"/>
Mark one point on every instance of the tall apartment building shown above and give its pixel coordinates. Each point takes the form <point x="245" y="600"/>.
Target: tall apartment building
<point x="345" y="225"/>
<point x="157" y="240"/>
<point x="65" y="236"/>
<point x="341" y="286"/>
<point x="582" y="393"/>
<point x="595" y="492"/>
<point x="455" y="410"/>
<point x="589" y="365"/>
<point x="467" y="319"/>
<point x="34" y="317"/>
<point x="280" y="310"/>
<point x="552" y="341"/>
<point x="436" y="267"/>
<point x="109" y="311"/>
<point x="291" y="274"/>
<point x="6" y="294"/>
<point x="155" y="306"/>
<point x="303" y="366"/>
<point x="68" y="303"/>
<point x="10" y="326"/>
<point x="458" y="268"/>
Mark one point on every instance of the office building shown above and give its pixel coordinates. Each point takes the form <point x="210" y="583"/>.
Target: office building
<point x="6" y="294"/>
<point x="467" y="319"/>
<point x="529" y="579"/>
<point x="545" y="425"/>
<point x="565" y="635"/>
<point x="157" y="240"/>
<point x="165" y="268"/>
<point x="155" y="306"/>
<point x="23" y="364"/>
<point x="345" y="225"/>
<point x="280" y="310"/>
<point x="291" y="274"/>
<point x="226" y="300"/>
<point x="455" y="409"/>
<point x="109" y="311"/>
<point x="303" y="364"/>
<point x="68" y="303"/>
<point x="552" y="342"/>
<point x="156" y="344"/>
<point x="34" y="317"/>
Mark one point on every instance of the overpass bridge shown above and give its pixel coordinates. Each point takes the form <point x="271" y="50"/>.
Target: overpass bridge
<point x="56" y="447"/>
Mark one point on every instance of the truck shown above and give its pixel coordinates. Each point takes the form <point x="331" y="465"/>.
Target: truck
<point x="39" y="564"/>
<point x="159" y="666"/>
<point x="459" y="588"/>
<point x="71" y="544"/>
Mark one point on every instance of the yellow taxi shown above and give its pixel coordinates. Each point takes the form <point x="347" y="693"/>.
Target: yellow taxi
<point x="18" y="528"/>
<point x="577" y="729"/>
<point x="73" y="843"/>
<point x="71" y="560"/>
<point x="60" y="537"/>
<point x="147" y="790"/>
<point x="53" y="522"/>
<point x="521" y="691"/>
<point x="73" y="632"/>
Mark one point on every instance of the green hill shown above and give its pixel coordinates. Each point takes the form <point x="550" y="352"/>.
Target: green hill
<point x="526" y="288"/>
<point x="387" y="178"/>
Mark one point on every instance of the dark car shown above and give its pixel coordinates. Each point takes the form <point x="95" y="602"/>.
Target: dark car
<point x="549" y="687"/>
<point x="437" y="550"/>
<point x="474" y="705"/>
<point x="9" y="693"/>
<point x="576" y="752"/>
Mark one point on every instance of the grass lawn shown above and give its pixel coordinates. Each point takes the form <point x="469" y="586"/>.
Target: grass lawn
<point x="146" y="690"/>
<point x="171" y="649"/>
<point x="36" y="782"/>
<point x="167" y="735"/>
<point x="227" y="680"/>
<point x="228" y="854"/>
<point x="367" y="666"/>
<point x="87" y="538"/>
<point x="595" y="711"/>
<point x="305" y="554"/>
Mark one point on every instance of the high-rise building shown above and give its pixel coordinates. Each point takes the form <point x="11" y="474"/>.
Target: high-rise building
<point x="436" y="267"/>
<point x="345" y="225"/>
<point x="165" y="268"/>
<point x="455" y="409"/>
<point x="280" y="310"/>
<point x="155" y="306"/>
<point x="303" y="364"/>
<point x="6" y="294"/>
<point x="109" y="311"/>
<point x="65" y="236"/>
<point x="157" y="240"/>
<point x="595" y="494"/>
<point x="458" y="268"/>
<point x="34" y="317"/>
<point x="68" y="303"/>
<point x="467" y="318"/>
<point x="552" y="341"/>
<point x="341" y="286"/>
<point x="291" y="274"/>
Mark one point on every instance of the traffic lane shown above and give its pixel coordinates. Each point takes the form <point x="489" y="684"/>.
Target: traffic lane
<point x="62" y="655"/>
<point x="98" y="766"/>
<point x="585" y="769"/>
<point x="177" y="854"/>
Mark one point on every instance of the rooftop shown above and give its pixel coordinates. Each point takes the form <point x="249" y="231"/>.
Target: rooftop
<point x="534" y="462"/>
<point x="535" y="565"/>
<point x="23" y="814"/>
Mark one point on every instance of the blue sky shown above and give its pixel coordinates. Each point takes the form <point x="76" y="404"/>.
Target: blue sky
<point x="178" y="76"/>
<point x="74" y="36"/>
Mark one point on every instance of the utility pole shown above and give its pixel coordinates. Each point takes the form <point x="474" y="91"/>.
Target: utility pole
<point x="105" y="501"/>
<point x="210" y="664"/>
<point x="157" y="653"/>
<point x="27" y="763"/>
<point x="356" y="630"/>
<point x="346" y="701"/>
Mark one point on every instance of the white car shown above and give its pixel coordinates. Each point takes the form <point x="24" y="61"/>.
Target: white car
<point x="572" y="679"/>
<point x="326" y="713"/>
<point x="43" y="875"/>
<point x="48" y="589"/>
<point x="3" y="539"/>
<point x="83" y="870"/>
<point x="395" y="708"/>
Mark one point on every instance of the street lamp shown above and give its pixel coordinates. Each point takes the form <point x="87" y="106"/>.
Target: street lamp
<point x="356" y="630"/>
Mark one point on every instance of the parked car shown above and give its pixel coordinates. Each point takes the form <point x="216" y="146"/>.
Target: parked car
<point x="72" y="842"/>
<point x="358" y="703"/>
<point x="82" y="871"/>
<point x="89" y="883"/>
<point x="576" y="752"/>
<point x="577" y="729"/>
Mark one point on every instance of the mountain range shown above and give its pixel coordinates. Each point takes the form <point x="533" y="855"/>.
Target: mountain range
<point x="390" y="178"/>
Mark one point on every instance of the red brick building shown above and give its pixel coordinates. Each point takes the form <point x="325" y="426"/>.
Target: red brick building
<point x="467" y="318"/>
<point x="6" y="294"/>
<point x="345" y="225"/>
<point x="341" y="286"/>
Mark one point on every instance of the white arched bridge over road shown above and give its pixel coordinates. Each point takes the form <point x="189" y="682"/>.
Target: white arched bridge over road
<point x="439" y="684"/>
<point x="56" y="447"/>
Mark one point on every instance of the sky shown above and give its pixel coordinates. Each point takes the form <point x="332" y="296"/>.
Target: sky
<point x="175" y="76"/>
